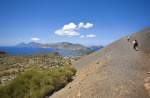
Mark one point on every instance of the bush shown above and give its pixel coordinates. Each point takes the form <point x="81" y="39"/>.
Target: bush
<point x="36" y="83"/>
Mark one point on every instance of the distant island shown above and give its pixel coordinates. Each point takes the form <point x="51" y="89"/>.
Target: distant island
<point x="63" y="48"/>
<point x="59" y="45"/>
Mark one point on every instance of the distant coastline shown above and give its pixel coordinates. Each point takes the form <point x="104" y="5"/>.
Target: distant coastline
<point x="63" y="48"/>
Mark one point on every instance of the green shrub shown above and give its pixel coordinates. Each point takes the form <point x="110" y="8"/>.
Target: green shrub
<point x="36" y="83"/>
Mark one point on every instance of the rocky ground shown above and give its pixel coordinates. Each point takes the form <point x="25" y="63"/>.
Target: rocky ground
<point x="117" y="71"/>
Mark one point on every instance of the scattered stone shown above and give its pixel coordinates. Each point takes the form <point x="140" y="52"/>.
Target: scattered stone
<point x="79" y="94"/>
<point x="147" y="87"/>
<point x="148" y="72"/>
<point x="147" y="79"/>
<point x="69" y="87"/>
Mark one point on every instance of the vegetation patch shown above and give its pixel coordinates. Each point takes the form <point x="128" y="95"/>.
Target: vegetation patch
<point x="37" y="83"/>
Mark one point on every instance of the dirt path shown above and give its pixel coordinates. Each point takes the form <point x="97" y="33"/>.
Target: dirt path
<point x="116" y="71"/>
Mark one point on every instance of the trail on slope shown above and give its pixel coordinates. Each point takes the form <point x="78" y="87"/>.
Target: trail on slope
<point x="116" y="71"/>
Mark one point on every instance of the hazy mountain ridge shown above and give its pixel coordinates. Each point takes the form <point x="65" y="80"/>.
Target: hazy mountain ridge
<point x="60" y="45"/>
<point x="63" y="48"/>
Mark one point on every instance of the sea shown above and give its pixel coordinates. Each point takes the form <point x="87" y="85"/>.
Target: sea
<point x="26" y="50"/>
<point x="34" y="51"/>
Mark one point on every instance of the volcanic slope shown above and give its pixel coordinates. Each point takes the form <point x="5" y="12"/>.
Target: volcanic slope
<point x="117" y="71"/>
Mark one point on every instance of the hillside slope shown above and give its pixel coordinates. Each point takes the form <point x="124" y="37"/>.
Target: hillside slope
<point x="116" y="71"/>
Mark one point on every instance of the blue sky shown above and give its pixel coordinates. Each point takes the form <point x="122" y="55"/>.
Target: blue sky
<point x="89" y="22"/>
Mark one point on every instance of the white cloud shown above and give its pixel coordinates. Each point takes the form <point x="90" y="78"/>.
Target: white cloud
<point x="35" y="39"/>
<point x="82" y="36"/>
<point x="88" y="25"/>
<point x="70" y="26"/>
<point x="90" y="36"/>
<point x="81" y="25"/>
<point x="85" y="26"/>
<point x="72" y="29"/>
<point x="69" y="33"/>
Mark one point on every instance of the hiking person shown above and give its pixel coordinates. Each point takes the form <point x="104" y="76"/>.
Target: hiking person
<point x="128" y="38"/>
<point x="135" y="44"/>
